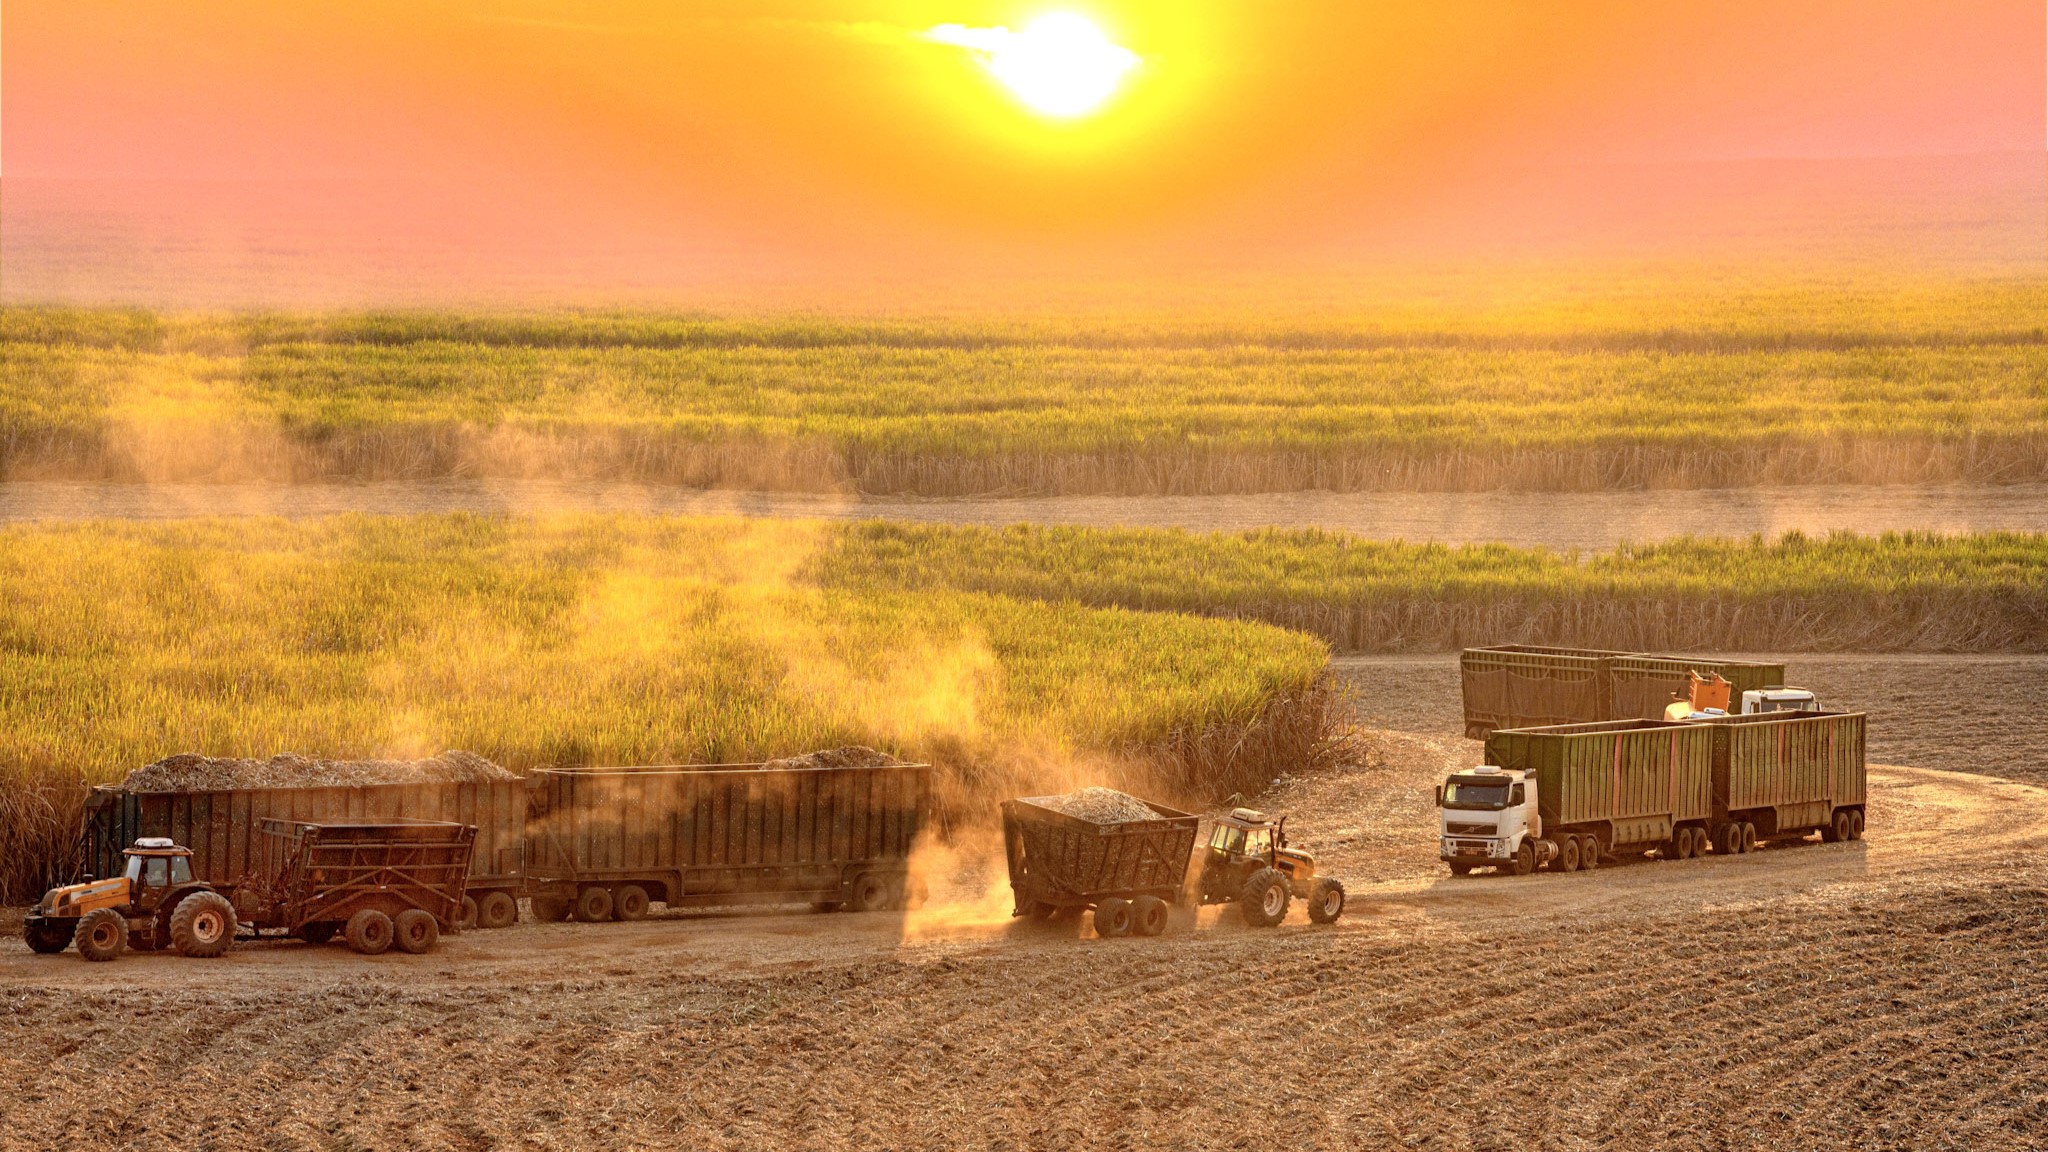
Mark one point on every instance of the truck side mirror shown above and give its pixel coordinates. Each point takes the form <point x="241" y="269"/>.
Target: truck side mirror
<point x="1439" y="795"/>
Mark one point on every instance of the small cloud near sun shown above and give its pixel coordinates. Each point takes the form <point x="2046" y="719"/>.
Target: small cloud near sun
<point x="1060" y="64"/>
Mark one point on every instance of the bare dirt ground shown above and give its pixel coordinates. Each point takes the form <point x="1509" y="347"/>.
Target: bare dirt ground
<point x="1583" y="520"/>
<point x="1964" y="713"/>
<point x="1880" y="994"/>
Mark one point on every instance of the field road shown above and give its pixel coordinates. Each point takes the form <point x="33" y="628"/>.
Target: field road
<point x="1880" y="994"/>
<point x="1581" y="520"/>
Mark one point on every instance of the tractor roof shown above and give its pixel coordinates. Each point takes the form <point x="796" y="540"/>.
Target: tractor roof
<point x="156" y="846"/>
<point x="1247" y="818"/>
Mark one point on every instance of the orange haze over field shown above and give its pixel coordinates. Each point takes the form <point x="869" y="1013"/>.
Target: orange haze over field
<point x="523" y="146"/>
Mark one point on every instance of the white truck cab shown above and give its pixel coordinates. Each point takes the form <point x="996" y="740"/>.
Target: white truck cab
<point x="1490" y="820"/>
<point x="1779" y="700"/>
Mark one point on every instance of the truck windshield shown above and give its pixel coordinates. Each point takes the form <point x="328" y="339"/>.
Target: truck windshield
<point x="1469" y="794"/>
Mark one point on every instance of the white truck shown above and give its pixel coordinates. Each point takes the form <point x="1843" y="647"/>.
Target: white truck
<point x="1492" y="818"/>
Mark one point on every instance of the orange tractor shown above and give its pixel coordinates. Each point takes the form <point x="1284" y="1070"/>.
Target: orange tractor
<point x="155" y="903"/>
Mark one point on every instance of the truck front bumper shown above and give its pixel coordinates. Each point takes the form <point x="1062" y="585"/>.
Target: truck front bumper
<point x="1473" y="850"/>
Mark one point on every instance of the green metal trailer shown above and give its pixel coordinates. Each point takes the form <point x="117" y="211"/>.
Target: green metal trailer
<point x="1528" y="686"/>
<point x="1786" y="774"/>
<point x="1630" y="785"/>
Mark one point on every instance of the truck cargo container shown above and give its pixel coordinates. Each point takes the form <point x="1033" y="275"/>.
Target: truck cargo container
<point x="1527" y="686"/>
<point x="605" y="843"/>
<point x="1786" y="774"/>
<point x="1127" y="871"/>
<point x="220" y="828"/>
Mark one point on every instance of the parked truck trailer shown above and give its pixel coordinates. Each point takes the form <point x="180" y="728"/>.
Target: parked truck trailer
<point x="1529" y="686"/>
<point x="606" y="843"/>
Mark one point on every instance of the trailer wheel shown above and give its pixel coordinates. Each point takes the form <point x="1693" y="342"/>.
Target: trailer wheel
<point x="1113" y="918"/>
<point x="497" y="910"/>
<point x="1855" y="825"/>
<point x="551" y="909"/>
<point x="1837" y="830"/>
<point x="319" y="931"/>
<point x="102" y="934"/>
<point x="369" y="931"/>
<point x="203" y="925"/>
<point x="870" y="892"/>
<point x="466" y="919"/>
<point x="1589" y="853"/>
<point x="1326" y="900"/>
<point x="630" y="903"/>
<point x="1728" y="841"/>
<point x="415" y="930"/>
<point x="1748" y="837"/>
<point x="1567" y="858"/>
<point x="594" y="905"/>
<point x="1148" y="915"/>
<point x="1266" y="896"/>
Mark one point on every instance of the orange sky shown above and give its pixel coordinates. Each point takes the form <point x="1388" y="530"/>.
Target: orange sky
<point x="807" y="135"/>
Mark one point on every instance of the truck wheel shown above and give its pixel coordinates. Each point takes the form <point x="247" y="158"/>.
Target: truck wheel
<point x="1855" y="825"/>
<point x="369" y="931"/>
<point x="1589" y="853"/>
<point x="1113" y="918"/>
<point x="1567" y="858"/>
<point x="1525" y="859"/>
<point x="48" y="939"/>
<point x="630" y="903"/>
<point x="870" y="892"/>
<point x="318" y="932"/>
<point x="1148" y="915"/>
<point x="1266" y="896"/>
<point x="203" y="925"/>
<point x="102" y="934"/>
<point x="594" y="905"/>
<point x="466" y="919"/>
<point x="498" y="909"/>
<point x="1729" y="841"/>
<point x="1837" y="830"/>
<point x="1459" y="869"/>
<point x="415" y="930"/>
<point x="1326" y="900"/>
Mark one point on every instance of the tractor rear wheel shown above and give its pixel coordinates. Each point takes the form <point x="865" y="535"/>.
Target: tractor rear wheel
<point x="369" y="931"/>
<point x="497" y="910"/>
<point x="1265" y="898"/>
<point x="870" y="892"/>
<point x="1589" y="853"/>
<point x="466" y="919"/>
<point x="1113" y="918"/>
<point x="594" y="905"/>
<point x="102" y="934"/>
<point x="48" y="939"/>
<point x="1148" y="915"/>
<point x="203" y="925"/>
<point x="1325" y="900"/>
<point x="630" y="902"/>
<point x="319" y="931"/>
<point x="415" y="930"/>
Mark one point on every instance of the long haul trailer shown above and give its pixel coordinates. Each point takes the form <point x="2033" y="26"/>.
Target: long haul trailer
<point x="1527" y="686"/>
<point x="1567" y="796"/>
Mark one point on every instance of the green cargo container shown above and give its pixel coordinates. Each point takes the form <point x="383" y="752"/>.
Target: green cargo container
<point x="1630" y="782"/>
<point x="1787" y="772"/>
<point x="1527" y="686"/>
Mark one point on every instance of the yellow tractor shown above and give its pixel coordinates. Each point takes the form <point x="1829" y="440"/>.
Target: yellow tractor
<point x="1249" y="863"/>
<point x="155" y="903"/>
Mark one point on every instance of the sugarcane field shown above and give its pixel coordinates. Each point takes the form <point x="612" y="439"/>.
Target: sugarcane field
<point x="969" y="574"/>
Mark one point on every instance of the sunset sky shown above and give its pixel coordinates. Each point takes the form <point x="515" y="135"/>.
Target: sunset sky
<point x="848" y="137"/>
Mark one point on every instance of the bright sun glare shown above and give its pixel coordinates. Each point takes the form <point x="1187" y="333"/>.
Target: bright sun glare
<point x="1060" y="65"/>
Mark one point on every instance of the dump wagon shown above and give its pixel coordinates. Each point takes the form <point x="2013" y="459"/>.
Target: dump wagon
<point x="1127" y="872"/>
<point x="606" y="843"/>
<point x="378" y="884"/>
<point x="1527" y="686"/>
<point x="220" y="828"/>
<point x="1567" y="795"/>
<point x="1785" y="775"/>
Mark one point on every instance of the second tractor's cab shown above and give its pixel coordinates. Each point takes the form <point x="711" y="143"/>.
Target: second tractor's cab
<point x="1248" y="862"/>
<point x="154" y="903"/>
<point x="1490" y="819"/>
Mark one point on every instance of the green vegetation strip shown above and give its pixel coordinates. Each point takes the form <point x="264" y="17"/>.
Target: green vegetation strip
<point x="1913" y="383"/>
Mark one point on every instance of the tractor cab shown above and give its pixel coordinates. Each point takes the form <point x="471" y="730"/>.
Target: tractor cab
<point x="156" y="868"/>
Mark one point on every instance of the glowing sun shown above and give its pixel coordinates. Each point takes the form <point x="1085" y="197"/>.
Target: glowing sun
<point x="1059" y="65"/>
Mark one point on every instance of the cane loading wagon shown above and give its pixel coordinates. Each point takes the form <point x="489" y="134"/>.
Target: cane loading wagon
<point x="606" y="843"/>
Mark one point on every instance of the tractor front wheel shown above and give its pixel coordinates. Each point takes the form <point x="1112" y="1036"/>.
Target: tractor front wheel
<point x="203" y="925"/>
<point x="370" y="931"/>
<point x="1325" y="900"/>
<point x="102" y="934"/>
<point x="1265" y="898"/>
<point x="48" y="939"/>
